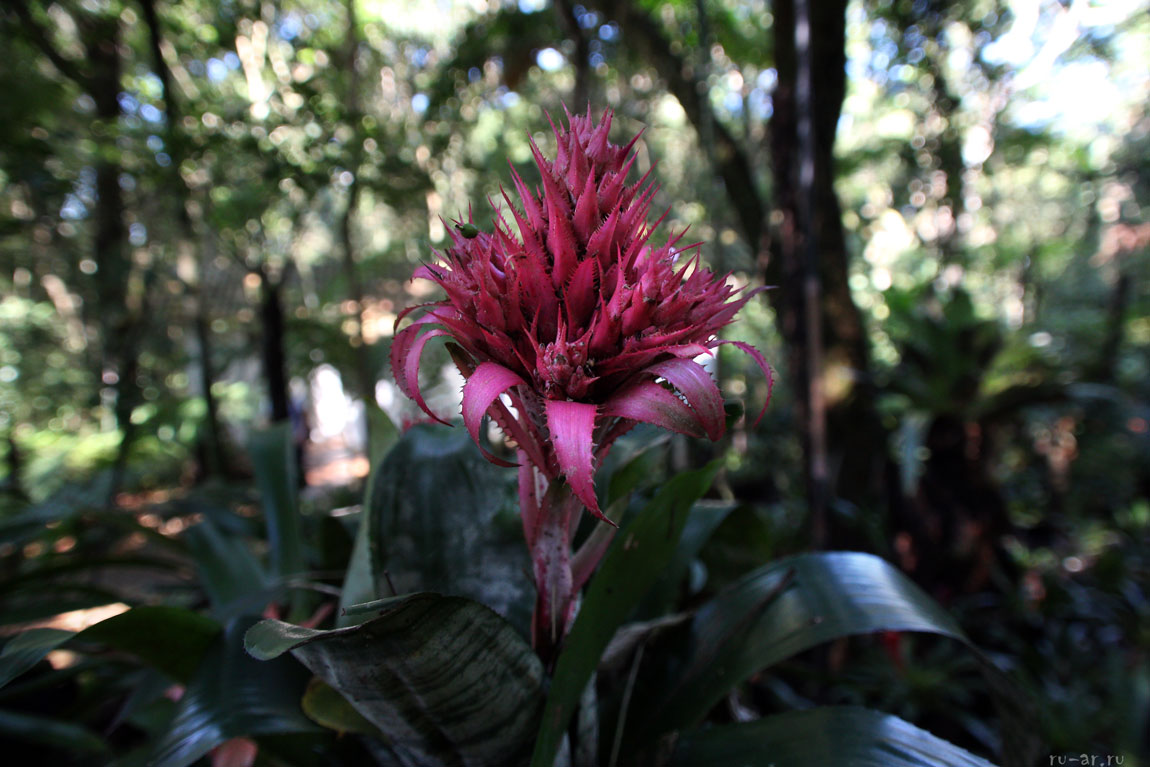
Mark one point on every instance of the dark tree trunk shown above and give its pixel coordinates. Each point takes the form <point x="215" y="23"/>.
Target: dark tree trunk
<point x="14" y="484"/>
<point x="856" y="441"/>
<point x="274" y="356"/>
<point x="118" y="309"/>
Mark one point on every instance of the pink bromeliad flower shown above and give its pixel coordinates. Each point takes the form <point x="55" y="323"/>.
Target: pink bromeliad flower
<point x="586" y="328"/>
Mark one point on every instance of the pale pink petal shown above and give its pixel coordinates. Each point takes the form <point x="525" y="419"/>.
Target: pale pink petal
<point x="399" y="318"/>
<point x="483" y="387"/>
<point x="571" y="425"/>
<point x="697" y="386"/>
<point x="651" y="403"/>
<point x="406" y="349"/>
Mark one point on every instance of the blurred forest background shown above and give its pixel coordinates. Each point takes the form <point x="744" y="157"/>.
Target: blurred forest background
<point x="209" y="212"/>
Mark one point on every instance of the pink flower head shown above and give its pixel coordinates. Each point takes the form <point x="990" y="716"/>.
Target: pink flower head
<point x="585" y="325"/>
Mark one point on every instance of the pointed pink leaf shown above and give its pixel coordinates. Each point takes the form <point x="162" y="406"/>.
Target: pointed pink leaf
<point x="699" y="389"/>
<point x="530" y="205"/>
<point x="411" y="309"/>
<point x="612" y="185"/>
<point x="757" y="356"/>
<point x="429" y="272"/>
<point x="601" y="243"/>
<point x="651" y="403"/>
<point x="483" y="387"/>
<point x="406" y="350"/>
<point x="580" y="294"/>
<point x="638" y="358"/>
<point x="587" y="210"/>
<point x="571" y="425"/>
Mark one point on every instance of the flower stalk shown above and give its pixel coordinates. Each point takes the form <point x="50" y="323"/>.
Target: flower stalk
<point x="569" y="329"/>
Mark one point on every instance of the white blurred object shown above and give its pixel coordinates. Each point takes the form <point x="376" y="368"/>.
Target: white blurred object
<point x="332" y="409"/>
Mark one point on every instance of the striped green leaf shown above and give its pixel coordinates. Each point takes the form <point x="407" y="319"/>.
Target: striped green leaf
<point x="445" y="680"/>
<point x="441" y="518"/>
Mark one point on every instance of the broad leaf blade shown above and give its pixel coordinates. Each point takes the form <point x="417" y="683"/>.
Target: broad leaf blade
<point x="24" y="651"/>
<point x="826" y="737"/>
<point x="358" y="583"/>
<point x="446" y="680"/>
<point x="273" y="460"/>
<point x="383" y="433"/>
<point x="703" y="519"/>
<point x="18" y="726"/>
<point x="769" y="615"/>
<point x="635" y="561"/>
<point x="442" y="519"/>
<point x="170" y="639"/>
<point x="229" y="573"/>
<point x="232" y="695"/>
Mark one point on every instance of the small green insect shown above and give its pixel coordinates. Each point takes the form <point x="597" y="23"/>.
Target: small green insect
<point x="468" y="230"/>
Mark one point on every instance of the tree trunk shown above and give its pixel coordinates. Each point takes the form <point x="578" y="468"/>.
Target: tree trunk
<point x="856" y="441"/>
<point x="14" y="485"/>
<point x="191" y="263"/>
<point x="364" y="377"/>
<point x="101" y="37"/>
<point x="272" y="346"/>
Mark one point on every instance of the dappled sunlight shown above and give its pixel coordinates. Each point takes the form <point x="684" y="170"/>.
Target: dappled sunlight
<point x="73" y="620"/>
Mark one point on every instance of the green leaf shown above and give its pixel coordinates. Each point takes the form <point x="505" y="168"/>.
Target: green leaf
<point x="25" y="650"/>
<point x="445" y="679"/>
<point x="232" y="695"/>
<point x="49" y="732"/>
<point x="170" y="639"/>
<point x="44" y="573"/>
<point x="632" y="565"/>
<point x="358" y="583"/>
<point x="229" y="573"/>
<point x="769" y="615"/>
<point x="324" y="705"/>
<point x="702" y="520"/>
<point x="443" y="519"/>
<point x="384" y="433"/>
<point x="273" y="460"/>
<point x="826" y="737"/>
<point x="636" y="460"/>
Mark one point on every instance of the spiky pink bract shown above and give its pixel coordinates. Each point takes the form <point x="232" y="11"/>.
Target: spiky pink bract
<point x="574" y="304"/>
<point x="585" y="327"/>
